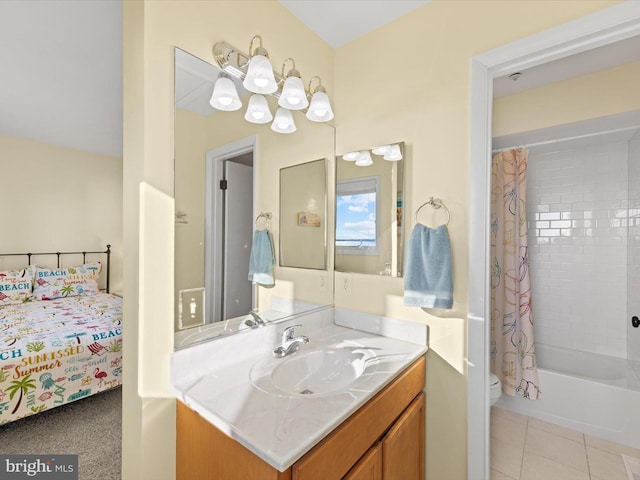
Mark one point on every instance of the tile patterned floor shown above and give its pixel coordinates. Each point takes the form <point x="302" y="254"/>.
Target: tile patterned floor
<point x="525" y="448"/>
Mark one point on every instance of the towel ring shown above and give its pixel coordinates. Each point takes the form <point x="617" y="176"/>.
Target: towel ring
<point x="437" y="204"/>
<point x="267" y="220"/>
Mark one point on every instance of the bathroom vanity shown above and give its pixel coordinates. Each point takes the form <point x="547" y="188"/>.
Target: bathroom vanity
<point x="384" y="439"/>
<point x="260" y="417"/>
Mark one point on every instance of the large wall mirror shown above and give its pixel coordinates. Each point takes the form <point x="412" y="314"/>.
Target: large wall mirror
<point x="369" y="236"/>
<point x="303" y="215"/>
<point x="226" y="181"/>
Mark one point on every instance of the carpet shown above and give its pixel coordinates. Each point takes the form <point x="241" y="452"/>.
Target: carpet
<point x="90" y="428"/>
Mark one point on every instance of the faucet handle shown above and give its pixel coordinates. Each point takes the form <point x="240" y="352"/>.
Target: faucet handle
<point x="288" y="332"/>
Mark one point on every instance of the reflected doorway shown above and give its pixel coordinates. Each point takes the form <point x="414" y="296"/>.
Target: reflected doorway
<point x="229" y="231"/>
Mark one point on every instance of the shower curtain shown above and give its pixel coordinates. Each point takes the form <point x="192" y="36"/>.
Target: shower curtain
<point x="513" y="357"/>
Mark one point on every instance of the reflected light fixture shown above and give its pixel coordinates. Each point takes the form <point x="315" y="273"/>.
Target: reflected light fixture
<point x="293" y="96"/>
<point x="258" y="110"/>
<point x="364" y="159"/>
<point x="320" y="107"/>
<point x="351" y="156"/>
<point x="283" y="121"/>
<point x="260" y="77"/>
<point x="381" y="150"/>
<point x="225" y="95"/>
<point x="394" y="154"/>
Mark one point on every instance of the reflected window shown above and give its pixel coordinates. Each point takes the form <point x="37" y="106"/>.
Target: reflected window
<point x="357" y="216"/>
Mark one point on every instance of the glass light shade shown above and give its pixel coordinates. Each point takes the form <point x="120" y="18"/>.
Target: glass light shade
<point x="351" y="156"/>
<point x="283" y="121"/>
<point x="364" y="160"/>
<point x="381" y="150"/>
<point x="394" y="154"/>
<point x="320" y="108"/>
<point x="260" y="78"/>
<point x="258" y="110"/>
<point x="225" y="95"/>
<point x="293" y="95"/>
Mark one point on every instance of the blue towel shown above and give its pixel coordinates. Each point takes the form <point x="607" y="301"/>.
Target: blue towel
<point x="427" y="274"/>
<point x="262" y="259"/>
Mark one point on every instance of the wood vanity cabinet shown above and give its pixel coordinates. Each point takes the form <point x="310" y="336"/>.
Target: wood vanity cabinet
<point x="383" y="440"/>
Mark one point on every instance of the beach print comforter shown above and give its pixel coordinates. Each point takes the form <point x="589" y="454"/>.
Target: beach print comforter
<point x="57" y="351"/>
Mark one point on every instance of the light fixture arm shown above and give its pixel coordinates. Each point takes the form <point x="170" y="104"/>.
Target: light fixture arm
<point x="293" y="72"/>
<point x="260" y="50"/>
<point x="319" y="88"/>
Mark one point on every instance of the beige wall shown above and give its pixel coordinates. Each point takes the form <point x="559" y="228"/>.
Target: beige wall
<point x="607" y="92"/>
<point x="190" y="150"/>
<point x="58" y="199"/>
<point x="420" y="83"/>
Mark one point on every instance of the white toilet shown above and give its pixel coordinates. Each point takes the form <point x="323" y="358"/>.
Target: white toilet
<point x="495" y="387"/>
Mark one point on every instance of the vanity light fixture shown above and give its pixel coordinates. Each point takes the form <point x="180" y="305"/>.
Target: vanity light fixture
<point x="258" y="110"/>
<point x="320" y="107"/>
<point x="225" y="95"/>
<point x="260" y="77"/>
<point x="293" y="96"/>
<point x="257" y="76"/>
<point x="283" y="121"/>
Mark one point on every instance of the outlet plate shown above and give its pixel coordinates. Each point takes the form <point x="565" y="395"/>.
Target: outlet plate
<point x="346" y="284"/>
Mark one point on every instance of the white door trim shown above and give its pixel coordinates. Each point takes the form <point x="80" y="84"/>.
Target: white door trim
<point x="601" y="28"/>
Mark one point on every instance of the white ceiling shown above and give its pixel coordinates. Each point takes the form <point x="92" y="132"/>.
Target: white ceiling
<point x="62" y="63"/>
<point x="62" y="73"/>
<point x="340" y="21"/>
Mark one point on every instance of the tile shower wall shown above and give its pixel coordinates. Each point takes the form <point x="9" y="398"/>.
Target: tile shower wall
<point x="633" y="262"/>
<point x="577" y="213"/>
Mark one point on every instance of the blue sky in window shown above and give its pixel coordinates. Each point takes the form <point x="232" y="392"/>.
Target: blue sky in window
<point x="356" y="217"/>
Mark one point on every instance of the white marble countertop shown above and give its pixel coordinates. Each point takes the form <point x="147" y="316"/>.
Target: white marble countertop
<point x="214" y="379"/>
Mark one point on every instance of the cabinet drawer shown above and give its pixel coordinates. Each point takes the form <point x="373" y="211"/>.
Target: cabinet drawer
<point x="334" y="456"/>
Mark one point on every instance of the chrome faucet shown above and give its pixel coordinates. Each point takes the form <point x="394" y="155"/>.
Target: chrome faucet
<point x="290" y="344"/>
<point x="257" y="320"/>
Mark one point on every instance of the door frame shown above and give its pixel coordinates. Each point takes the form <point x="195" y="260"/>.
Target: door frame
<point x="213" y="232"/>
<point x="607" y="26"/>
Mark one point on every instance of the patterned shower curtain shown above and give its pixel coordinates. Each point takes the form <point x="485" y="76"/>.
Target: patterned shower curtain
<point x="513" y="357"/>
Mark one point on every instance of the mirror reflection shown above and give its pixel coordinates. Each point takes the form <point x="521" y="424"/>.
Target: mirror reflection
<point x="303" y="199"/>
<point x="226" y="175"/>
<point x="369" y="210"/>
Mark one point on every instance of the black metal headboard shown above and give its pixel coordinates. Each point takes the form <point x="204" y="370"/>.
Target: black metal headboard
<point x="107" y="252"/>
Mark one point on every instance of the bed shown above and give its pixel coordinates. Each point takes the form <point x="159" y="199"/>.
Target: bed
<point x="60" y="330"/>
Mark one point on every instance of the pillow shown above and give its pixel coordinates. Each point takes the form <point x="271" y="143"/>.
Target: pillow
<point x="66" y="282"/>
<point x="16" y="286"/>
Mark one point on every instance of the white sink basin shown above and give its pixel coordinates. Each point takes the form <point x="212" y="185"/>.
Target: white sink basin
<point x="314" y="372"/>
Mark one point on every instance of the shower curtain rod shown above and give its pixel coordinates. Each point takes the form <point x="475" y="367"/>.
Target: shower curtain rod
<point x="565" y="139"/>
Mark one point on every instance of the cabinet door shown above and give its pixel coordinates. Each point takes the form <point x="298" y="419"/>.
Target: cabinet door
<point x="369" y="467"/>
<point x="403" y="447"/>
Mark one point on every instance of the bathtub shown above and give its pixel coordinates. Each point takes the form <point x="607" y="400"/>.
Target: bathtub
<point x="594" y="394"/>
